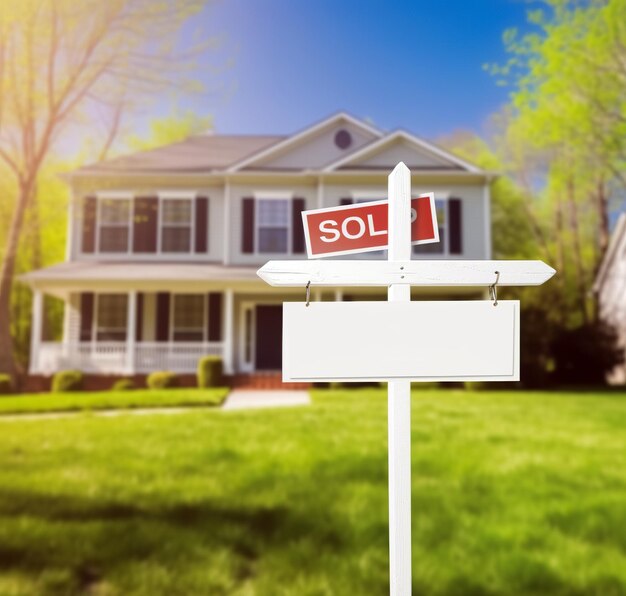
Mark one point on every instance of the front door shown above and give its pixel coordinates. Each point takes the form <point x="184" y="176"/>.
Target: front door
<point x="269" y="337"/>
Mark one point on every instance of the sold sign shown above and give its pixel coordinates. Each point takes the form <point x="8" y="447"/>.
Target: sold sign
<point x="363" y="227"/>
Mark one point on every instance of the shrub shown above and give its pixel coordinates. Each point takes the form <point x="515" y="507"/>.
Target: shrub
<point x="210" y="371"/>
<point x="6" y="384"/>
<point x="162" y="380"/>
<point x="338" y="385"/>
<point x="67" y="380"/>
<point x="123" y="385"/>
<point x="586" y="354"/>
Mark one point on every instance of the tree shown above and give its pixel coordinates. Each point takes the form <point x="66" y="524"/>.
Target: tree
<point x="170" y="129"/>
<point x="564" y="133"/>
<point x="63" y="62"/>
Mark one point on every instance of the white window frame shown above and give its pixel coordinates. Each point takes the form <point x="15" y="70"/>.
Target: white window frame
<point x="95" y="323"/>
<point x="273" y="196"/>
<point x="180" y="196"/>
<point x="205" y="316"/>
<point x="114" y="196"/>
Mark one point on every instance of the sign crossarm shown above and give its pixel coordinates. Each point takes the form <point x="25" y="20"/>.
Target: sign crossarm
<point x="435" y="273"/>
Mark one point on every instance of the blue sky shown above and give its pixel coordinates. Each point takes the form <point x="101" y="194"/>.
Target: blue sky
<point x="414" y="65"/>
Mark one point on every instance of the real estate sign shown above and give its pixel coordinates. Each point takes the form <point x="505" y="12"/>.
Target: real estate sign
<point x="417" y="341"/>
<point x="364" y="227"/>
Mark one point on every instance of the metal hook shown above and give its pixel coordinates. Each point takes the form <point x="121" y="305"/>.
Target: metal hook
<point x="493" y="290"/>
<point x="308" y="292"/>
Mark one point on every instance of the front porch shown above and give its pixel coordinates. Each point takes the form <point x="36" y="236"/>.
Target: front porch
<point x="118" y="358"/>
<point x="135" y="332"/>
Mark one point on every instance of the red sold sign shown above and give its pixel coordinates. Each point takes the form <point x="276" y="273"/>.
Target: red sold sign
<point x="363" y="227"/>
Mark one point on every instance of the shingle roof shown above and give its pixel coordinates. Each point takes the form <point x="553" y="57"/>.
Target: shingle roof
<point x="200" y="153"/>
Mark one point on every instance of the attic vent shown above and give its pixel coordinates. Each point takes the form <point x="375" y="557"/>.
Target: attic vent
<point x="343" y="139"/>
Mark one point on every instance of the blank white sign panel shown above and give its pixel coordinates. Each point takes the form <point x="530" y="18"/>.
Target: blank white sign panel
<point x="420" y="341"/>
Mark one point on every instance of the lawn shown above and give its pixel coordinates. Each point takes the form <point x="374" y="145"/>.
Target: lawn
<point x="110" y="400"/>
<point x="513" y="493"/>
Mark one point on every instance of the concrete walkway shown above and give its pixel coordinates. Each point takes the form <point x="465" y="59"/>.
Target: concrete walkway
<point x="249" y="399"/>
<point x="238" y="399"/>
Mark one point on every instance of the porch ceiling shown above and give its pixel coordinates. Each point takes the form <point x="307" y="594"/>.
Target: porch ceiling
<point x="158" y="276"/>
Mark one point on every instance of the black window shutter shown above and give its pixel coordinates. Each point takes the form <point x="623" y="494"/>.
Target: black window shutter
<point x="455" y="226"/>
<point x="139" y="320"/>
<point x="247" y="226"/>
<point x="90" y="214"/>
<point x="297" y="230"/>
<point x="145" y="220"/>
<point x="215" y="317"/>
<point x="202" y="224"/>
<point x="163" y="316"/>
<point x="346" y="201"/>
<point x="86" y="315"/>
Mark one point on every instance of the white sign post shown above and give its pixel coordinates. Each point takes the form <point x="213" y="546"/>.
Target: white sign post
<point x="482" y="342"/>
<point x="399" y="397"/>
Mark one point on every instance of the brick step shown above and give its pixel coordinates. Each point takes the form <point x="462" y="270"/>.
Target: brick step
<point x="268" y="380"/>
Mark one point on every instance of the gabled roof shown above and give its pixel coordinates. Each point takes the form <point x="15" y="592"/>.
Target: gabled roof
<point x="612" y="252"/>
<point x="302" y="136"/>
<point x="447" y="160"/>
<point x="305" y="151"/>
<point x="199" y="153"/>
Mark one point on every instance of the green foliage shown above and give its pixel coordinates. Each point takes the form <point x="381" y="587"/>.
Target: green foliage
<point x="67" y="380"/>
<point x="123" y="385"/>
<point x="111" y="400"/>
<point x="513" y="493"/>
<point x="210" y="371"/>
<point x="586" y="354"/>
<point x="171" y="129"/>
<point x="162" y="380"/>
<point x="512" y="234"/>
<point x="563" y="136"/>
<point x="6" y="384"/>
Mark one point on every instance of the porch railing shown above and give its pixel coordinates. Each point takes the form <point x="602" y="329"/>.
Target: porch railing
<point x="112" y="357"/>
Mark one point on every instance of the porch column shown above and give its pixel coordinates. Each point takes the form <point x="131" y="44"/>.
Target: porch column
<point x="338" y="295"/>
<point x="35" y="330"/>
<point x="131" y="325"/>
<point x="229" y="331"/>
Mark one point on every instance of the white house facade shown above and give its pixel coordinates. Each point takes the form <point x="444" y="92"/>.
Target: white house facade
<point x="164" y="245"/>
<point x="610" y="288"/>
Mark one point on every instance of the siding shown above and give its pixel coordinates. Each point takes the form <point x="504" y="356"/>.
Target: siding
<point x="215" y="247"/>
<point x="473" y="226"/>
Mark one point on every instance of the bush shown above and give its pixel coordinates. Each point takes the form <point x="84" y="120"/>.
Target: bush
<point x="123" y="385"/>
<point x="6" y="384"/>
<point x="162" y="380"/>
<point x="210" y="371"/>
<point x="586" y="354"/>
<point x="67" y="380"/>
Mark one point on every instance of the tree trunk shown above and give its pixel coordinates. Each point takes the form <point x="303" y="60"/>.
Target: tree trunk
<point x="7" y="360"/>
<point x="561" y="278"/>
<point x="578" y="263"/>
<point x="37" y="256"/>
<point x="602" y="204"/>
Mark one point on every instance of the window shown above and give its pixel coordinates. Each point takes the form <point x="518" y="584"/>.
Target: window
<point x="441" y="247"/>
<point x="176" y="216"/>
<point x="114" y="228"/>
<point x="273" y="225"/>
<point x="111" y="317"/>
<point x="189" y="317"/>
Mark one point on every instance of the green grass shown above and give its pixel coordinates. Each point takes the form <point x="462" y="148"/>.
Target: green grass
<point x="109" y="400"/>
<point x="513" y="493"/>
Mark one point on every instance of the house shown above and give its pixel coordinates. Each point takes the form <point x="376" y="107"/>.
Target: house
<point x="610" y="289"/>
<point x="164" y="245"/>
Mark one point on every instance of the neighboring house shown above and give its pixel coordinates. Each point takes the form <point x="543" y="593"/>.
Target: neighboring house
<point x="610" y="288"/>
<point x="164" y="245"/>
